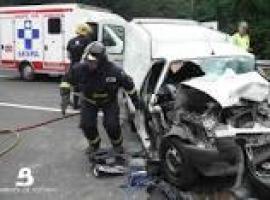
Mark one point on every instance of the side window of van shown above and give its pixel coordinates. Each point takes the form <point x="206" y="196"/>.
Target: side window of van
<point x="108" y="40"/>
<point x="54" y="25"/>
<point x="113" y="36"/>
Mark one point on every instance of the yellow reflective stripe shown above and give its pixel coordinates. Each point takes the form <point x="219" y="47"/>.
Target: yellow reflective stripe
<point x="90" y="101"/>
<point x="94" y="102"/>
<point x="131" y="92"/>
<point x="95" y="141"/>
<point x="241" y="41"/>
<point x="118" y="141"/>
<point x="100" y="95"/>
<point x="65" y="85"/>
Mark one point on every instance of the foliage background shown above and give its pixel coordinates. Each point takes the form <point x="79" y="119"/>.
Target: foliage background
<point x="227" y="12"/>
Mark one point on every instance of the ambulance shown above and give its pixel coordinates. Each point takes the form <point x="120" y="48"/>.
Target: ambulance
<point x="33" y="39"/>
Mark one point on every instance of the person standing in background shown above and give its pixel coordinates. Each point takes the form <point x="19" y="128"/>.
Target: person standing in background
<point x="75" y="48"/>
<point x="241" y="38"/>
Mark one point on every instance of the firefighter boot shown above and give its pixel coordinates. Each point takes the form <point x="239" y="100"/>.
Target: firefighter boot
<point x="92" y="149"/>
<point x="119" y="155"/>
<point x="118" y="149"/>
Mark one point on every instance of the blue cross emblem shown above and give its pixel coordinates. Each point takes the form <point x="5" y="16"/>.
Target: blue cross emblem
<point x="28" y="34"/>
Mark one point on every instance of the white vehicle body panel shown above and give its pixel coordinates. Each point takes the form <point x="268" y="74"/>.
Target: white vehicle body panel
<point x="150" y="40"/>
<point x="7" y="49"/>
<point x="229" y="88"/>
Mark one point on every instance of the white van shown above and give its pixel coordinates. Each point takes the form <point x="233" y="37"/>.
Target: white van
<point x="152" y="40"/>
<point x="153" y="45"/>
<point x="33" y="39"/>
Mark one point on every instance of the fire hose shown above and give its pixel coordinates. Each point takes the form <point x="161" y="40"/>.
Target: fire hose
<point x="18" y="130"/>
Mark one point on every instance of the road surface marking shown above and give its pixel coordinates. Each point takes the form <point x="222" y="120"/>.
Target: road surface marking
<point x="6" y="76"/>
<point x="38" y="108"/>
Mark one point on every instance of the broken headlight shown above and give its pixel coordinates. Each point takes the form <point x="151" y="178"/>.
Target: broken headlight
<point x="209" y="122"/>
<point x="209" y="118"/>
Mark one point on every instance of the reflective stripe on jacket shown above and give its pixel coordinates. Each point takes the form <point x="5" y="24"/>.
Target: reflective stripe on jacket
<point x="241" y="41"/>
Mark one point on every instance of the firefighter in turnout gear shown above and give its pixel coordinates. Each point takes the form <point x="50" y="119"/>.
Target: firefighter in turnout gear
<point x="99" y="81"/>
<point x="75" y="48"/>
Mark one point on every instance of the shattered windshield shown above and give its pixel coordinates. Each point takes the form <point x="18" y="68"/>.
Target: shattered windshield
<point x="218" y="66"/>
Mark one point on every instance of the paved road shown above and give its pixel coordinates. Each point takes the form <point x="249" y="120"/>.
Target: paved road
<point x="55" y="153"/>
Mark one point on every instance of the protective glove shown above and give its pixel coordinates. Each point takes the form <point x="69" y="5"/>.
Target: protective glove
<point x="65" y="96"/>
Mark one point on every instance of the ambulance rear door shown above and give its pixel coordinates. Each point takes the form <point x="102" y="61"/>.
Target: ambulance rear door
<point x="54" y="44"/>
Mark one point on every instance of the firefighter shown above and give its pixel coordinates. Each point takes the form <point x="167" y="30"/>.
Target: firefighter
<point x="241" y="38"/>
<point x="99" y="81"/>
<point x="75" y="48"/>
<point x="183" y="71"/>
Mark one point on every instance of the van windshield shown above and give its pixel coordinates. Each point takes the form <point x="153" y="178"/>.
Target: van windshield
<point x="218" y="66"/>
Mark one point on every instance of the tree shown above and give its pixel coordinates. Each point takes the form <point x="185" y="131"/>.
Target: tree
<point x="245" y="9"/>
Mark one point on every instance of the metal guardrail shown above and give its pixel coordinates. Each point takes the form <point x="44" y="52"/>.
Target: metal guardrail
<point x="263" y="63"/>
<point x="263" y="67"/>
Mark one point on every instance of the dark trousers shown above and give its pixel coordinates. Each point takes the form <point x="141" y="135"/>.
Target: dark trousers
<point x="76" y="98"/>
<point x="111" y="123"/>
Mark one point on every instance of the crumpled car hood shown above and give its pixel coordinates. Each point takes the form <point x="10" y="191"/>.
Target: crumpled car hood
<point x="229" y="88"/>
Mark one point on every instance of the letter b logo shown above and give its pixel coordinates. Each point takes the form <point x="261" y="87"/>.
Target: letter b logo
<point x="25" y="178"/>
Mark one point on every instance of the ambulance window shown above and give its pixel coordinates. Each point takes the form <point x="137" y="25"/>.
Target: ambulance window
<point x="54" y="25"/>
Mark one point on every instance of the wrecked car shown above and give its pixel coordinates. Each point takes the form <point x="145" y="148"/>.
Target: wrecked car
<point x="194" y="108"/>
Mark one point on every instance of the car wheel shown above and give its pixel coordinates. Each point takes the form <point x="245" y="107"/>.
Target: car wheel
<point x="27" y="72"/>
<point x="175" y="164"/>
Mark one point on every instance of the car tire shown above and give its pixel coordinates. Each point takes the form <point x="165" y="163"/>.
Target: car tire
<point x="27" y="72"/>
<point x="175" y="164"/>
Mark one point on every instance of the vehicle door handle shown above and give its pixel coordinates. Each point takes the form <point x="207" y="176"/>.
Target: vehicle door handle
<point x="46" y="47"/>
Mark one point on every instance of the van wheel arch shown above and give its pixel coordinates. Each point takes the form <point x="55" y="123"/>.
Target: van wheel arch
<point x="182" y="175"/>
<point x="26" y="71"/>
